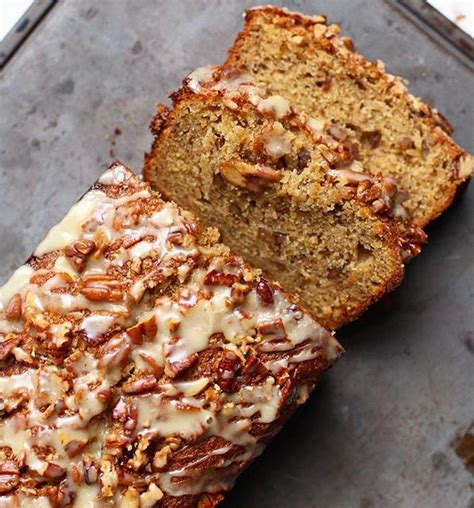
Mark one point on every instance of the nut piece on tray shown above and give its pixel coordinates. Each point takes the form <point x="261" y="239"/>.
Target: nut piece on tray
<point x="357" y="103"/>
<point x="140" y="363"/>
<point x="290" y="200"/>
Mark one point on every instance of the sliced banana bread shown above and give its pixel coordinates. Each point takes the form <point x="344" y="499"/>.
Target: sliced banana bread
<point x="140" y="363"/>
<point x="356" y="102"/>
<point x="297" y="207"/>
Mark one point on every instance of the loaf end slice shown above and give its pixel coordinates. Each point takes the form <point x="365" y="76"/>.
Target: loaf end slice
<point x="141" y="364"/>
<point x="299" y="208"/>
<point x="358" y="103"/>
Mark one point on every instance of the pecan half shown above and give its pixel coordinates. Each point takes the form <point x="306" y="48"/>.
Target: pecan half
<point x="98" y="287"/>
<point x="252" y="177"/>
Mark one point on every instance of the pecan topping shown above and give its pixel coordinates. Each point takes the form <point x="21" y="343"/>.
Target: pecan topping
<point x="54" y="471"/>
<point x="79" y="252"/>
<point x="140" y="385"/>
<point x="228" y="367"/>
<point x="265" y="292"/>
<point x="174" y="368"/>
<point x="100" y="287"/>
<point x="116" y="352"/>
<point x="154" y="365"/>
<point x="252" y="177"/>
<point x="272" y="330"/>
<point x="253" y="371"/>
<point x="89" y="470"/>
<point x="7" y="346"/>
<point x="217" y="278"/>
<point x="14" y="308"/>
<point x="144" y="330"/>
<point x="8" y="481"/>
<point x="127" y="414"/>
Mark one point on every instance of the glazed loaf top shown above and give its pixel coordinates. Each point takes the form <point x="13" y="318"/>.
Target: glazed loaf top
<point x="140" y="363"/>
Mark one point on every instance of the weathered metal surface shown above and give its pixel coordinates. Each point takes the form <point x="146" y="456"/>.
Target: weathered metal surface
<point x="378" y="432"/>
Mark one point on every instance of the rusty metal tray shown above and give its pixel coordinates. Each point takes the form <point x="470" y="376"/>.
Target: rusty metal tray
<point x="383" y="428"/>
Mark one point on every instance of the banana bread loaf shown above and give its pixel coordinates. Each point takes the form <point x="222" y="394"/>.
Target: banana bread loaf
<point x="297" y="207"/>
<point x="142" y="365"/>
<point x="357" y="103"/>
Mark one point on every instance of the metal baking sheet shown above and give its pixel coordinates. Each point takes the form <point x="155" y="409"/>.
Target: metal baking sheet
<point x="380" y="429"/>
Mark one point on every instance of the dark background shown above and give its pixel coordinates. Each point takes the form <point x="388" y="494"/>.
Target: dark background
<point x="379" y="431"/>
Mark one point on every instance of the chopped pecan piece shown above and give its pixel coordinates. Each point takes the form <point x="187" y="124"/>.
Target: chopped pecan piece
<point x="371" y="138"/>
<point x="144" y="330"/>
<point x="127" y="414"/>
<point x="8" y="481"/>
<point x="115" y="353"/>
<point x="7" y="346"/>
<point x="89" y="469"/>
<point x="54" y="471"/>
<point x="174" y="368"/>
<point x="253" y="371"/>
<point x="14" y="308"/>
<point x="74" y="448"/>
<point x="303" y="159"/>
<point x="217" y="278"/>
<point x="272" y="330"/>
<point x="143" y="384"/>
<point x="228" y="366"/>
<point x="79" y="252"/>
<point x="252" y="177"/>
<point x="155" y="366"/>
<point x="265" y="293"/>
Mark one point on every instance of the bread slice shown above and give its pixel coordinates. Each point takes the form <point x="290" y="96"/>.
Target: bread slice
<point x="293" y="205"/>
<point x="141" y="363"/>
<point x="356" y="102"/>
